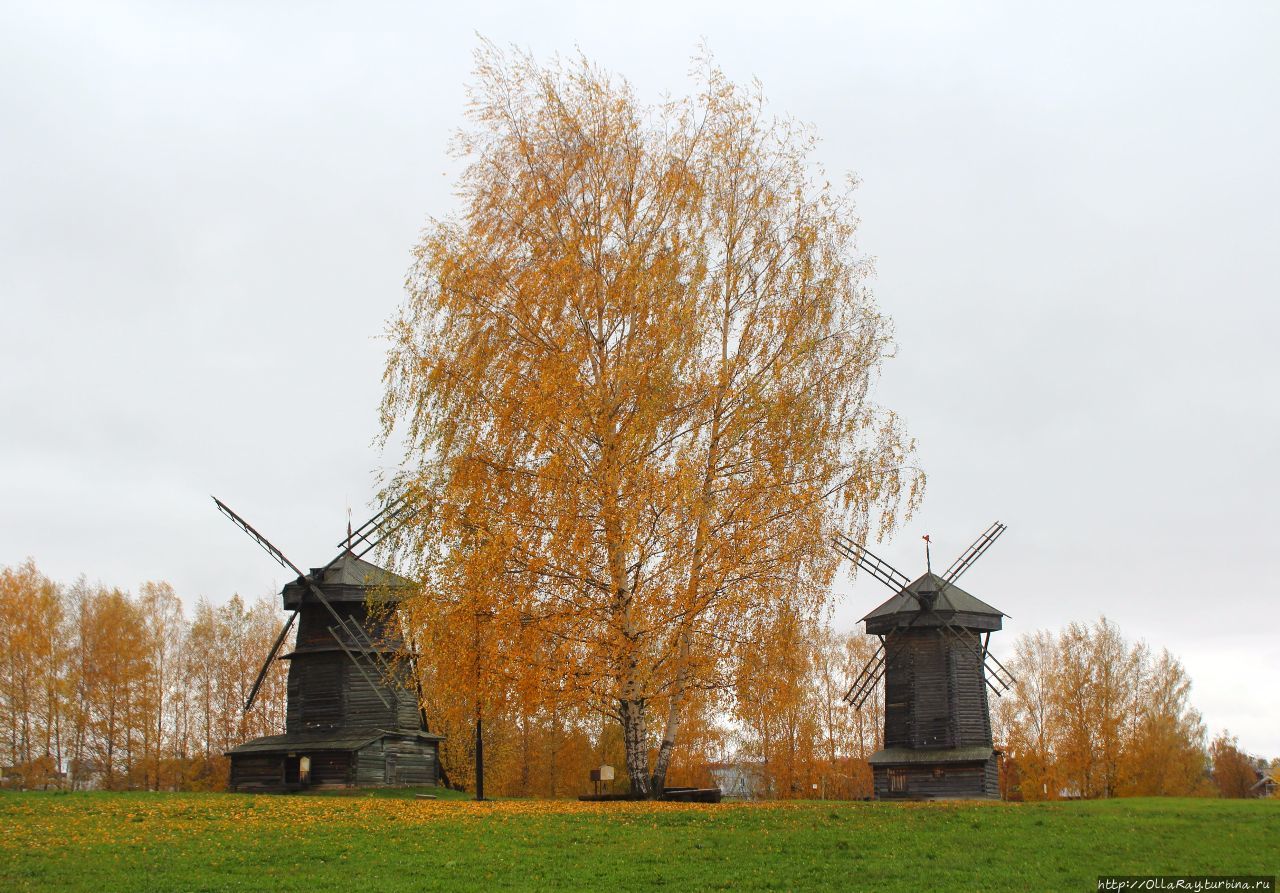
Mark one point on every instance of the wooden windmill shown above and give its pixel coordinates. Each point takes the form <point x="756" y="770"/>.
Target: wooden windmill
<point x="937" y="670"/>
<point x="352" y="719"/>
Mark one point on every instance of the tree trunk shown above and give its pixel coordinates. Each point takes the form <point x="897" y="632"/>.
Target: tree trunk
<point x="693" y="592"/>
<point x="668" y="745"/>
<point x="674" y="711"/>
<point x="111" y="746"/>
<point x="553" y="759"/>
<point x="635" y="737"/>
<point x="631" y="700"/>
<point x="524" y="753"/>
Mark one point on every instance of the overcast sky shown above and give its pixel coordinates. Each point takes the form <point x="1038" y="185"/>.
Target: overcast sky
<point x="206" y="213"/>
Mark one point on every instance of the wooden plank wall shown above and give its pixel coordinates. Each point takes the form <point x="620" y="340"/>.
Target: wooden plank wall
<point x="331" y="768"/>
<point x="899" y="679"/>
<point x="326" y="692"/>
<point x="971" y="780"/>
<point x="931" y="683"/>
<point x="969" y="693"/>
<point x="364" y="708"/>
<point x="415" y="763"/>
<point x="314" y="622"/>
<point x="991" y="777"/>
<point x="256" y="772"/>
<point x="315" y="695"/>
<point x="935" y="691"/>
<point x="408" y="715"/>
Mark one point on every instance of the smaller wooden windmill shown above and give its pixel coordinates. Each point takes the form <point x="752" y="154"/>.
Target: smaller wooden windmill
<point x="937" y="669"/>
<point x="352" y="718"/>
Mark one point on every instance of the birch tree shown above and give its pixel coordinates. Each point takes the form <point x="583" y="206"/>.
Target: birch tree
<point x="1093" y="715"/>
<point x="632" y="376"/>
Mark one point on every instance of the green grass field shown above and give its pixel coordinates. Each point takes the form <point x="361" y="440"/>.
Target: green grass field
<point x="108" y="842"/>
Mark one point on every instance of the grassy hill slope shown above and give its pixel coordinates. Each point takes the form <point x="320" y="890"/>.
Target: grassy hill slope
<point x="108" y="842"/>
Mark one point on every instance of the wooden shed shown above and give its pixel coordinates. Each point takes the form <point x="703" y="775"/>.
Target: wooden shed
<point x="276" y="763"/>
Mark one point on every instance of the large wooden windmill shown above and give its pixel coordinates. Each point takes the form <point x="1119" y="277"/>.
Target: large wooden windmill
<point x="352" y="719"/>
<point x="937" y="669"/>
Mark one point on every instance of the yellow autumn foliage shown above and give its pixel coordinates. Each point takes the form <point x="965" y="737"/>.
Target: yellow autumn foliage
<point x="632" y="376"/>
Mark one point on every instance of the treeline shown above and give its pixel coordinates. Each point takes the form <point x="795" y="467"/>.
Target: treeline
<point x="778" y="728"/>
<point x="1094" y="715"/>
<point x="105" y="688"/>
<point x="109" y="689"/>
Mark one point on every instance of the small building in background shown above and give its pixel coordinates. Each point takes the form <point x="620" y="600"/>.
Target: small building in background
<point x="1266" y="786"/>
<point x="740" y="779"/>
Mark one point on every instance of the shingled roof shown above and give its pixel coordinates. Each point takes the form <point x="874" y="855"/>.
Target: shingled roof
<point x="348" y="579"/>
<point x="345" y="740"/>
<point x="898" y="755"/>
<point x="951" y="598"/>
<point x="351" y="571"/>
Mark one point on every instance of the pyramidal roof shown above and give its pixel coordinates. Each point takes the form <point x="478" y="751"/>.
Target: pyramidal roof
<point x="950" y="598"/>
<point x="348" y="579"/>
<point x="348" y="570"/>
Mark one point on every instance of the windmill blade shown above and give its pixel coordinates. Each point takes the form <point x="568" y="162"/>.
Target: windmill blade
<point x="958" y="567"/>
<point x="981" y="652"/>
<point x="278" y="556"/>
<point x="994" y="670"/>
<point x="356" y="631"/>
<point x="973" y="553"/>
<point x="257" y="537"/>
<point x="871" y="563"/>
<point x="342" y="623"/>
<point x="857" y="699"/>
<point x="266" y="664"/>
<point x="999" y="672"/>
<point x="867" y="669"/>
<point x="867" y="680"/>
<point x="333" y="630"/>
<point x="305" y="580"/>
<point x="371" y="533"/>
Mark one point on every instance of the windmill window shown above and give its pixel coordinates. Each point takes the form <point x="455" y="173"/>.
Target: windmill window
<point x="897" y="781"/>
<point x="939" y="773"/>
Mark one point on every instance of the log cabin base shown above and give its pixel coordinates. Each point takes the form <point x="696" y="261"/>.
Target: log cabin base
<point x="284" y="763"/>
<point x="962" y="773"/>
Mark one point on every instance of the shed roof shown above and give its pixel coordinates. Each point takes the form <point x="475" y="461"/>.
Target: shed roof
<point x="950" y="598"/>
<point x="895" y="755"/>
<point x="350" y="739"/>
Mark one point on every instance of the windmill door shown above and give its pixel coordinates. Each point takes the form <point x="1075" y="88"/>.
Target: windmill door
<point x="390" y="777"/>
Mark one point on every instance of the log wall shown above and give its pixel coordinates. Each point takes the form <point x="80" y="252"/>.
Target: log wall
<point x="397" y="761"/>
<point x="315" y="695"/>
<point x="256" y="772"/>
<point x="327" y="692"/>
<point x="940" y="781"/>
<point x="935" y="690"/>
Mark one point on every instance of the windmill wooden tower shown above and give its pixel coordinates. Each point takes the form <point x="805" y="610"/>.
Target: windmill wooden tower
<point x="937" y="669"/>
<point x="352" y="718"/>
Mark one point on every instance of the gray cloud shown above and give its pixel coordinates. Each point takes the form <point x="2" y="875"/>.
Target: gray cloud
<point x="206" y="214"/>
